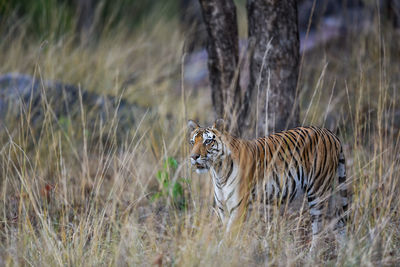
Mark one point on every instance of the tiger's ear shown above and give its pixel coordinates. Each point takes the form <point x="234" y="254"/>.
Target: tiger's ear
<point x="219" y="124"/>
<point x="192" y="126"/>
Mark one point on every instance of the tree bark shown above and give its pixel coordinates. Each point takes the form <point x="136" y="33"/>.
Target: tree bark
<point x="269" y="103"/>
<point x="274" y="63"/>
<point x="221" y="24"/>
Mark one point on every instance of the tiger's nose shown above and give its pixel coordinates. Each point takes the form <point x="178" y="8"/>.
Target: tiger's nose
<point x="195" y="156"/>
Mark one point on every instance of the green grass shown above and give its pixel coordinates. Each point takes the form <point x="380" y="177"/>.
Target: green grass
<point x="68" y="200"/>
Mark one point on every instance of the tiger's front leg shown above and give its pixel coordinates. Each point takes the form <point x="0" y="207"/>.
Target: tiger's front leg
<point x="236" y="216"/>
<point x="233" y="218"/>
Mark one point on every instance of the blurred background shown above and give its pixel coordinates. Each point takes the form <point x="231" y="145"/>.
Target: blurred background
<point x="94" y="100"/>
<point x="137" y="47"/>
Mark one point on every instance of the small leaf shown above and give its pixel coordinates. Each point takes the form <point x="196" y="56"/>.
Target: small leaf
<point x="159" y="176"/>
<point x="171" y="162"/>
<point x="165" y="175"/>
<point x="155" y="196"/>
<point x="166" y="185"/>
<point x="177" y="190"/>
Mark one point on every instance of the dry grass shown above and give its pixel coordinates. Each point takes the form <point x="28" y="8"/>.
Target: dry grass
<point x="70" y="200"/>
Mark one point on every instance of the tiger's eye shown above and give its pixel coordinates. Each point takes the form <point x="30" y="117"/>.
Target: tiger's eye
<point x="208" y="141"/>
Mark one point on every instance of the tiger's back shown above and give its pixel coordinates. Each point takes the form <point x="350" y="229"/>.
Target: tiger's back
<point x="305" y="158"/>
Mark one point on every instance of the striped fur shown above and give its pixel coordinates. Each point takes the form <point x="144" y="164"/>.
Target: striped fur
<point x="272" y="169"/>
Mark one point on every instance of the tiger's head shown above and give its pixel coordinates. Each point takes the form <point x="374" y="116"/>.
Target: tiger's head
<point x="207" y="146"/>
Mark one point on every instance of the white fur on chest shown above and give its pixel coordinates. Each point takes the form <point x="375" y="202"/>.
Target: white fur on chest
<point x="228" y="194"/>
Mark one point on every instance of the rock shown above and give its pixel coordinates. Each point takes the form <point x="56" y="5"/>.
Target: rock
<point x="20" y="93"/>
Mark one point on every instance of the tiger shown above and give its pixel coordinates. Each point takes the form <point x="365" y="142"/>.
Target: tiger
<point x="273" y="169"/>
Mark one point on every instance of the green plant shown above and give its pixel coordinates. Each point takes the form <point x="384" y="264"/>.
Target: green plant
<point x="170" y="189"/>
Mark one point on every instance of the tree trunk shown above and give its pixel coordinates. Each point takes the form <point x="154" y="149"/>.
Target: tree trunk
<point x="220" y="19"/>
<point x="269" y="103"/>
<point x="274" y="63"/>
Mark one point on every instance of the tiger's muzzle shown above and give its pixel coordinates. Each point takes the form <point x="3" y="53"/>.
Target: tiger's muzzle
<point x="200" y="163"/>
